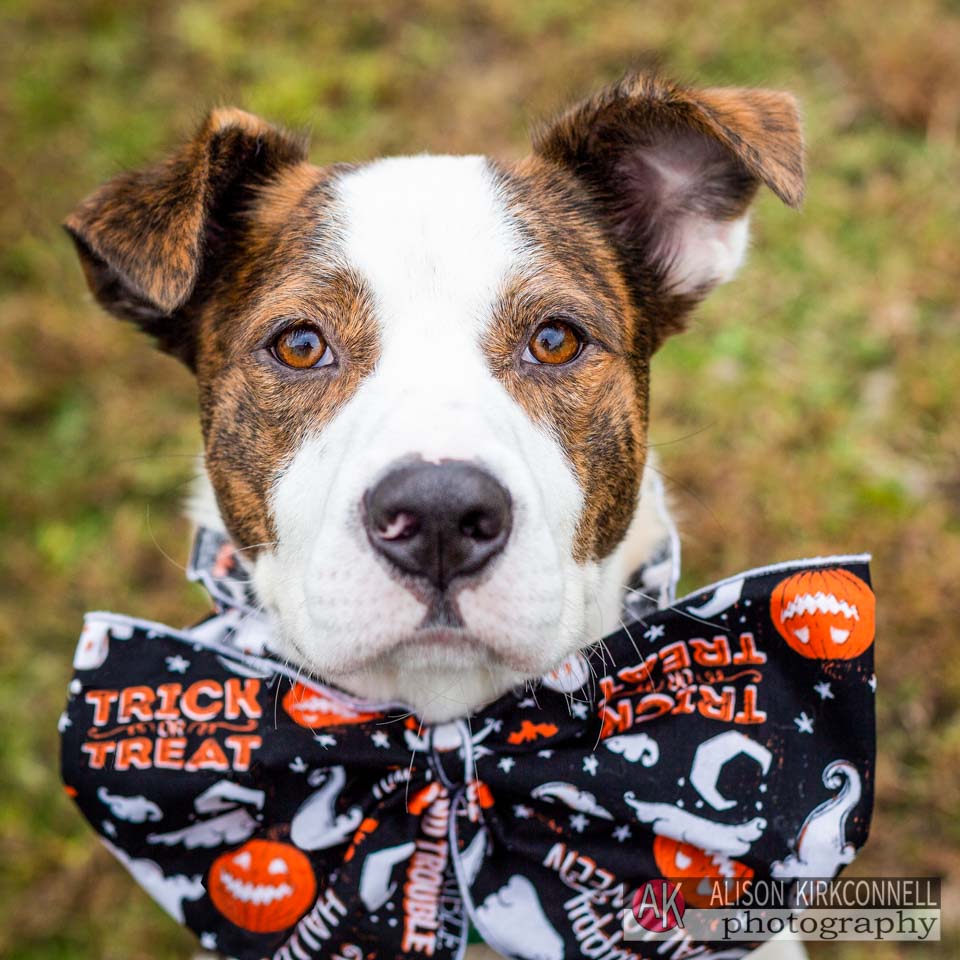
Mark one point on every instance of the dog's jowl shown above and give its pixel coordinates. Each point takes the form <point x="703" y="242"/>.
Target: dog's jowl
<point x="423" y="380"/>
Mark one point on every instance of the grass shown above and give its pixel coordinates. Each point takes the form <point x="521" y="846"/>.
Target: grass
<point x="813" y="407"/>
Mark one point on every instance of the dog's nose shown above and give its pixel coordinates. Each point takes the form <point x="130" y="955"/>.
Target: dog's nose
<point x="438" y="520"/>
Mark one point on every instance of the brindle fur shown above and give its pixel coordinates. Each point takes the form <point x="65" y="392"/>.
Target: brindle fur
<point x="236" y="231"/>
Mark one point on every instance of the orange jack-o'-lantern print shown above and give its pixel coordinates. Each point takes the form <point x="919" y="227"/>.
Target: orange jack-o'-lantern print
<point x="263" y="886"/>
<point x="824" y="614"/>
<point x="694" y="870"/>
<point x="312" y="708"/>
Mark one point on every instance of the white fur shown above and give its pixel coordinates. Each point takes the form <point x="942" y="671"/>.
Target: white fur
<point x="708" y="252"/>
<point x="433" y="241"/>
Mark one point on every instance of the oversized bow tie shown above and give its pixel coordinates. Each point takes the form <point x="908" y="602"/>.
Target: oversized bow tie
<point x="728" y="735"/>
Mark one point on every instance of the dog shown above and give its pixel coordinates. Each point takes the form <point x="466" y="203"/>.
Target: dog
<point x="424" y="381"/>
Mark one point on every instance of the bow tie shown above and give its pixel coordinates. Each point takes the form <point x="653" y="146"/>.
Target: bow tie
<point x="727" y="735"/>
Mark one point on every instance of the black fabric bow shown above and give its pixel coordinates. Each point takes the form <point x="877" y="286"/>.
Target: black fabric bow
<point x="729" y="735"/>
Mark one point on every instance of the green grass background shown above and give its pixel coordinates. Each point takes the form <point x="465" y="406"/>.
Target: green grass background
<point x="812" y="408"/>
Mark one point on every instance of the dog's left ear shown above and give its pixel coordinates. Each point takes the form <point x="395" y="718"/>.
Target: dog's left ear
<point x="671" y="172"/>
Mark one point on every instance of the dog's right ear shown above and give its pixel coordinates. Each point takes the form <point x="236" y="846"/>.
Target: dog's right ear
<point x="144" y="238"/>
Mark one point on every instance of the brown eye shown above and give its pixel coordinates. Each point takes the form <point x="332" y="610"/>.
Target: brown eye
<point x="555" y="341"/>
<point x="301" y="347"/>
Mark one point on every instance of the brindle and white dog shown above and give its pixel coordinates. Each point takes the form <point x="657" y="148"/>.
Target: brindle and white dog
<point x="424" y="380"/>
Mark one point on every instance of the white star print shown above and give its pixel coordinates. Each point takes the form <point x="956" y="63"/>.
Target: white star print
<point x="325" y="740"/>
<point x="380" y="740"/>
<point x="579" y="710"/>
<point x="521" y="812"/>
<point x="546" y="754"/>
<point x="64" y="722"/>
<point x="297" y="765"/>
<point x="824" y="690"/>
<point x="507" y="764"/>
<point x="655" y="632"/>
<point x="495" y="725"/>
<point x="526" y="703"/>
<point x="109" y="828"/>
<point x="177" y="664"/>
<point x="872" y="682"/>
<point x="622" y="833"/>
<point x="75" y="686"/>
<point x="590" y="765"/>
<point x="208" y="941"/>
<point x="804" y="723"/>
<point x="578" y="822"/>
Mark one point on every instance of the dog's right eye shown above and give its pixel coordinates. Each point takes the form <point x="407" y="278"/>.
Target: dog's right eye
<point x="555" y="342"/>
<point x="301" y="347"/>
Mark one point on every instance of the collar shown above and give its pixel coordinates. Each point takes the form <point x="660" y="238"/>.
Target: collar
<point x="725" y="735"/>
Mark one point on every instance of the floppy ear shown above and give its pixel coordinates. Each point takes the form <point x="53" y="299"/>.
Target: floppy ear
<point x="672" y="172"/>
<point x="145" y="238"/>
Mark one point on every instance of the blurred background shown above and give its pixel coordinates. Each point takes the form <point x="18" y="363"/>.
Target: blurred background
<point x="814" y="407"/>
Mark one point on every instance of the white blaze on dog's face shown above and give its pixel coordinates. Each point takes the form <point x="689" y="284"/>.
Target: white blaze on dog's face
<point x="433" y="243"/>
<point x="423" y="381"/>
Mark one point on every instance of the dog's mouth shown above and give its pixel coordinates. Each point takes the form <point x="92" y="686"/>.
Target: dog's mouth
<point x="457" y="648"/>
<point x="431" y="646"/>
<point x="442" y="617"/>
<point x="435" y="648"/>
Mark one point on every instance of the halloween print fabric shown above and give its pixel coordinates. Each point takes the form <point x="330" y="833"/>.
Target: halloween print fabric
<point x="729" y="734"/>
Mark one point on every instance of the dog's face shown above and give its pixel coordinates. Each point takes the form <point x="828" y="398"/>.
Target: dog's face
<point x="424" y="381"/>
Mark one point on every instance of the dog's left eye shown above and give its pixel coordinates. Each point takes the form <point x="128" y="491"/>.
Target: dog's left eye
<point x="554" y="342"/>
<point x="301" y="347"/>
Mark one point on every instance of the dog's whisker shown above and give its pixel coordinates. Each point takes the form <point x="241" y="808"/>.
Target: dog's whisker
<point x="680" y="610"/>
<point x="181" y="567"/>
<point x="684" y="488"/>
<point x="629" y="633"/>
<point x="395" y="718"/>
<point x="680" y="439"/>
<point x="276" y="695"/>
<point x="406" y="788"/>
<point x="257" y="546"/>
